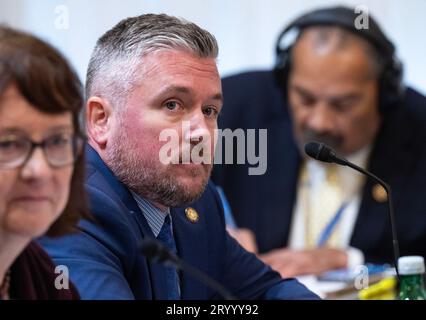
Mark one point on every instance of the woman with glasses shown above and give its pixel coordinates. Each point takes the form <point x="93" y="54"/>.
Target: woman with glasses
<point x="41" y="164"/>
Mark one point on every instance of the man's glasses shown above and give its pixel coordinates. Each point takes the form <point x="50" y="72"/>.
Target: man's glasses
<point x="60" y="150"/>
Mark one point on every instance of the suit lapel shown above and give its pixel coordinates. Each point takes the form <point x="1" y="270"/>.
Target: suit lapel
<point x="191" y="244"/>
<point x="280" y="188"/>
<point x="373" y="223"/>
<point x="157" y="273"/>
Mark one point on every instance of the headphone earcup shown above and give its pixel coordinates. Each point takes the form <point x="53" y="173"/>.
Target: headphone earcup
<point x="391" y="88"/>
<point x="282" y="69"/>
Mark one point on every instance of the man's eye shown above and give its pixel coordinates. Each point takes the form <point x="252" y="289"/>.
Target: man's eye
<point x="172" y="105"/>
<point x="210" y="112"/>
<point x="343" y="106"/>
<point x="307" y="101"/>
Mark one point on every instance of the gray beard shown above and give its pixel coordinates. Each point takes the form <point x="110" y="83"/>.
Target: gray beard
<point x="149" y="180"/>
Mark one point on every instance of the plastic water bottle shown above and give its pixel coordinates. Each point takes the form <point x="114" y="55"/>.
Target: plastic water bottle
<point x="411" y="271"/>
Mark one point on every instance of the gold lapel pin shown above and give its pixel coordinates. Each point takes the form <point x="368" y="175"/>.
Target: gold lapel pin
<point x="192" y="214"/>
<point x="379" y="193"/>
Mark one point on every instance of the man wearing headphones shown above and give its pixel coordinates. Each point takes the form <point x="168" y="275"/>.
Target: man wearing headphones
<point x="339" y="85"/>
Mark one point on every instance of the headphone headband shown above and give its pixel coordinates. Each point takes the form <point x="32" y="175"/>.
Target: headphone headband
<point x="345" y="18"/>
<point x="390" y="80"/>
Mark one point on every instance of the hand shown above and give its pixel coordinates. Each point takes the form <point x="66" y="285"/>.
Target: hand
<point x="290" y="263"/>
<point x="245" y="238"/>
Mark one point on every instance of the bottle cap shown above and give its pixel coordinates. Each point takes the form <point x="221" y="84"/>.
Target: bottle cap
<point x="411" y="265"/>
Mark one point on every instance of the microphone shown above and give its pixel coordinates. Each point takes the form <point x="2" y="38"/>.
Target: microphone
<point x="157" y="252"/>
<point x="320" y="151"/>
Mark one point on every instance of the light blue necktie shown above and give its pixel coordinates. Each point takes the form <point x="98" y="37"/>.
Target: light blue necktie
<point x="172" y="279"/>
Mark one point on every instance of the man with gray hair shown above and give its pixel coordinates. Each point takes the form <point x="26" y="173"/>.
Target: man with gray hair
<point x="341" y="85"/>
<point x="149" y="74"/>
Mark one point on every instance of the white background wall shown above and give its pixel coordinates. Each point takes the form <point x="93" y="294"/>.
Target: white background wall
<point x="245" y="29"/>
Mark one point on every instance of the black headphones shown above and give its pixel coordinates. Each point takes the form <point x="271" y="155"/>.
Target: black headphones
<point x="390" y="80"/>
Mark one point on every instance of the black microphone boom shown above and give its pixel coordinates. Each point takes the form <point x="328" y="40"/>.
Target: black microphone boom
<point x="157" y="252"/>
<point x="322" y="152"/>
<point x="319" y="151"/>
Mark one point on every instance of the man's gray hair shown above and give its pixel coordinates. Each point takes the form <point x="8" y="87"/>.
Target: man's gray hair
<point x="112" y="71"/>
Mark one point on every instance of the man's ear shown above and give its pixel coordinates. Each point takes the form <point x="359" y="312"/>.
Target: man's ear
<point x="98" y="120"/>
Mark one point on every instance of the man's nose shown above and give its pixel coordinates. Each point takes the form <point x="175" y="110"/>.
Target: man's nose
<point x="321" y="118"/>
<point x="198" y="128"/>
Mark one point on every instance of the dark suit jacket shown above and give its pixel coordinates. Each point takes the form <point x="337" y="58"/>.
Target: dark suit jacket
<point x="105" y="262"/>
<point x="265" y="203"/>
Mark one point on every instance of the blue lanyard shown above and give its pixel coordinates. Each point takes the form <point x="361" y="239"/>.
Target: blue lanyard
<point x="328" y="230"/>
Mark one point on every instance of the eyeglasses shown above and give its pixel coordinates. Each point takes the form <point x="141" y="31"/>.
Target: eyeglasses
<point x="60" y="150"/>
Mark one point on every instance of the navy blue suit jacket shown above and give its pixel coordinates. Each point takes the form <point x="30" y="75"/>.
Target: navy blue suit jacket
<point x="265" y="203"/>
<point x="105" y="262"/>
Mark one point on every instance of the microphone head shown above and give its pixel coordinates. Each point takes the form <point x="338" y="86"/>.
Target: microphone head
<point x="320" y="151"/>
<point x="154" y="250"/>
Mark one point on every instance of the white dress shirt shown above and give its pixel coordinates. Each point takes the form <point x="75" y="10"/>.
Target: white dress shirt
<point x="352" y="192"/>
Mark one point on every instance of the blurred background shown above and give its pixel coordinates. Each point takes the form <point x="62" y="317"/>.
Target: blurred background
<point x="245" y="29"/>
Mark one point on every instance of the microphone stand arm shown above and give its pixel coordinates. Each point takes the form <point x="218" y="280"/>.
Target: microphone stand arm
<point x="199" y="275"/>
<point x="390" y="205"/>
